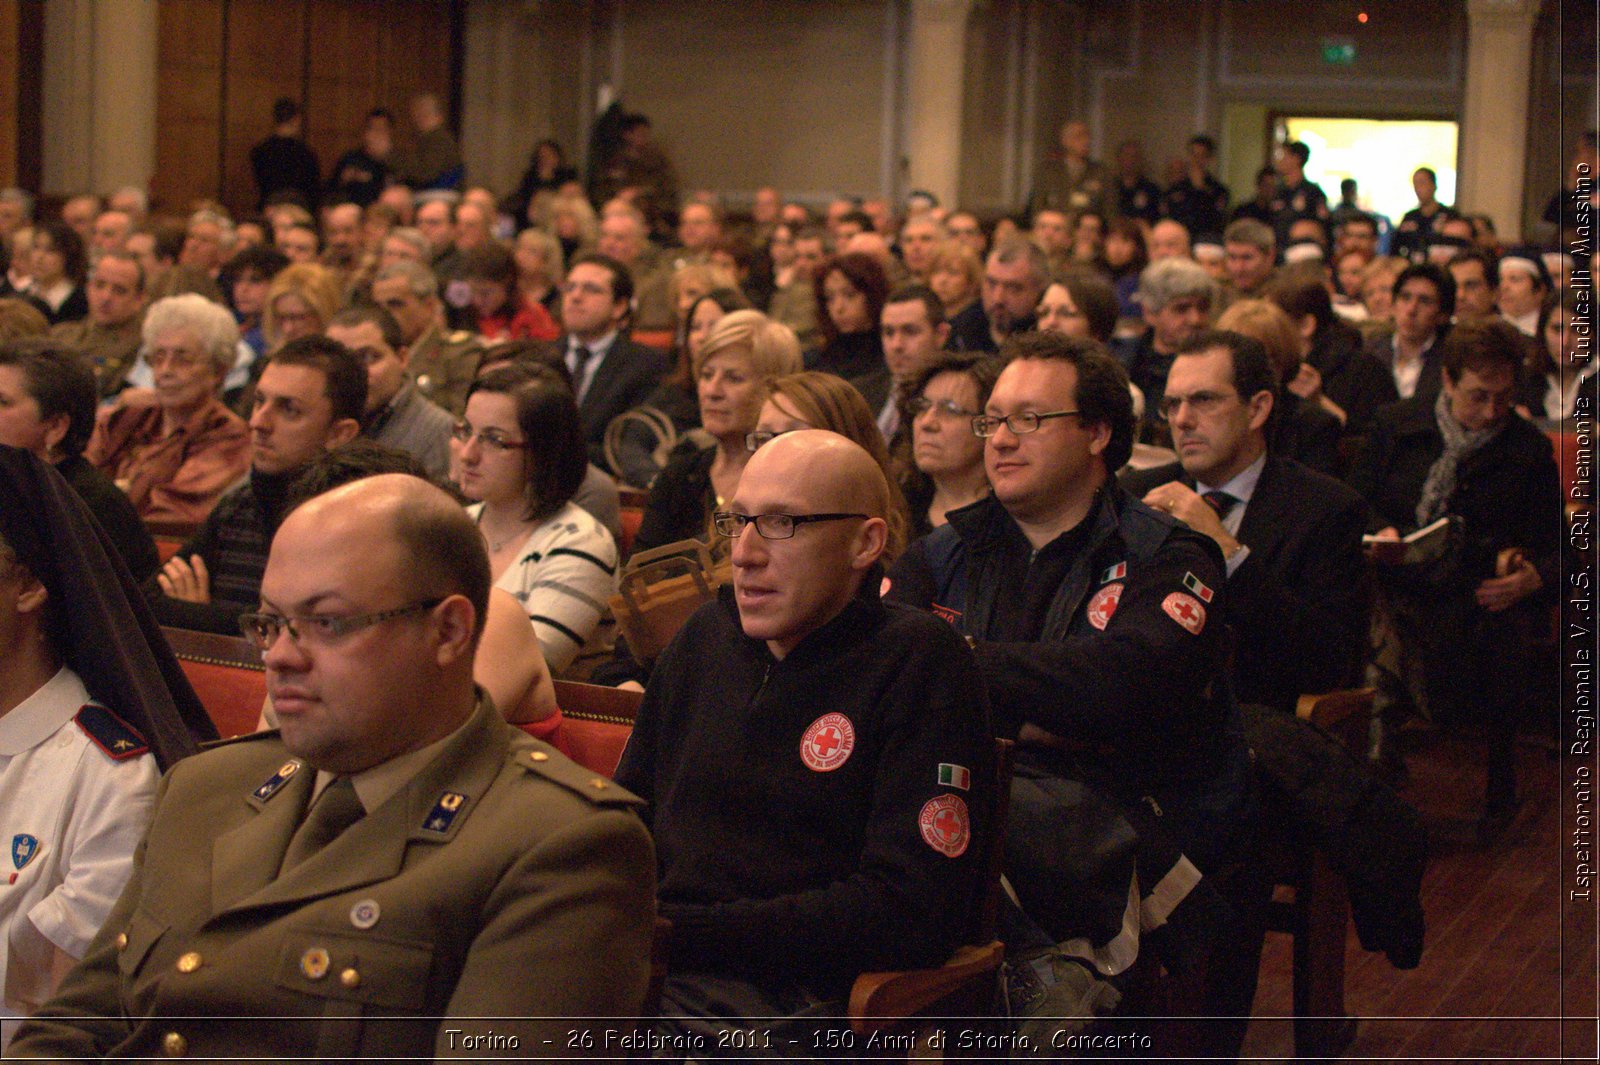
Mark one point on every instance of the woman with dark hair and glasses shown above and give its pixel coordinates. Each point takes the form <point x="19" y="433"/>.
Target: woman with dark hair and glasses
<point x="947" y="456"/>
<point x="519" y="451"/>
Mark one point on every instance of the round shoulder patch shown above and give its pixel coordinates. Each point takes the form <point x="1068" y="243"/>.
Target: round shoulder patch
<point x="1186" y="610"/>
<point x="945" y="825"/>
<point x="827" y="743"/>
<point x="1104" y="604"/>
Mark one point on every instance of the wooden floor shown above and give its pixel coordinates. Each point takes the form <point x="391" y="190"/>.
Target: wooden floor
<point x="1491" y="984"/>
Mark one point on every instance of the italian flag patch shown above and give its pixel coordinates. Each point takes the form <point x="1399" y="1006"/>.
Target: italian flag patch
<point x="955" y="776"/>
<point x="1198" y="587"/>
<point x="1115" y="573"/>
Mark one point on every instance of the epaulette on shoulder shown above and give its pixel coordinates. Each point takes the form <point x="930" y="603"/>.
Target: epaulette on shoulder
<point x="243" y="737"/>
<point x="459" y="336"/>
<point x="545" y="761"/>
<point x="116" y="739"/>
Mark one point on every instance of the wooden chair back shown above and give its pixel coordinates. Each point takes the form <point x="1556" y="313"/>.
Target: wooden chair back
<point x="595" y="723"/>
<point x="227" y="675"/>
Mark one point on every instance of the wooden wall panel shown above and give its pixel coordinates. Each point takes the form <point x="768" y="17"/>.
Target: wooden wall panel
<point x="188" y="103"/>
<point x="265" y="58"/>
<point x="224" y="62"/>
<point x="10" y="69"/>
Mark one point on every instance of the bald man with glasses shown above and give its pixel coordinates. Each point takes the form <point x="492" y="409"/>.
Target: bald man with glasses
<point x="818" y="763"/>
<point x="393" y="873"/>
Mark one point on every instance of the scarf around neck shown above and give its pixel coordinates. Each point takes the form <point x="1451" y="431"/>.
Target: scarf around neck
<point x="1459" y="443"/>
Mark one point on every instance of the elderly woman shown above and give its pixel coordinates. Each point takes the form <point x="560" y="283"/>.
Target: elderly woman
<point x="301" y="300"/>
<point x="175" y="448"/>
<point x="744" y="352"/>
<point x="95" y="707"/>
<point x="947" y="456"/>
<point x="47" y="401"/>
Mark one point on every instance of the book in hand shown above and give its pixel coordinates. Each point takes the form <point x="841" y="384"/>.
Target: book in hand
<point x="1420" y="545"/>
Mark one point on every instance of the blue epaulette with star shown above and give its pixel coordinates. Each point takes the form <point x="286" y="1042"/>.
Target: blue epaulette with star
<point x="114" y="736"/>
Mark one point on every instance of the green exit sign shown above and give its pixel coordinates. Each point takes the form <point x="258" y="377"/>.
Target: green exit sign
<point x="1338" y="51"/>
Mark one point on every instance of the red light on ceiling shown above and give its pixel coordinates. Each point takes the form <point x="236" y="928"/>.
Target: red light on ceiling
<point x="1362" y="18"/>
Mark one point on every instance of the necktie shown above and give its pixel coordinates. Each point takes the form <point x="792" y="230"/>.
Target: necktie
<point x="580" y="362"/>
<point x="1221" y="502"/>
<point x="336" y="809"/>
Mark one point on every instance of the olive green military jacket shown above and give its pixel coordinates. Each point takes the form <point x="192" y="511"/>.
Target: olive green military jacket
<point x="502" y="891"/>
<point x="443" y="363"/>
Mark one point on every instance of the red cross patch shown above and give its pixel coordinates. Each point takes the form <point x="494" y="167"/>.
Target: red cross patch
<point x="1186" y="611"/>
<point x="1104" y="604"/>
<point x="827" y="743"/>
<point x="945" y="825"/>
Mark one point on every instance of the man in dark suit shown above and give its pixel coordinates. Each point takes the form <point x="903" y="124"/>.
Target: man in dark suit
<point x="1014" y="277"/>
<point x="1297" y="594"/>
<point x="610" y="373"/>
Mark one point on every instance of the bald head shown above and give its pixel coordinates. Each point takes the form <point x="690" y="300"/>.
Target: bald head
<point x="788" y="587"/>
<point x="440" y="550"/>
<point x="403" y="567"/>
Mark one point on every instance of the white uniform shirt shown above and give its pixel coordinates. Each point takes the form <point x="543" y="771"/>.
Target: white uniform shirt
<point x="70" y="817"/>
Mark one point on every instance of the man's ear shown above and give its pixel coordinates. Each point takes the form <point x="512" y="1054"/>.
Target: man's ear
<point x="1101" y="440"/>
<point x="871" y="540"/>
<point x="1260" y="408"/>
<point x="55" y="430"/>
<point x="33" y="596"/>
<point x="456" y="619"/>
<point x="342" y="432"/>
<point x="941" y="333"/>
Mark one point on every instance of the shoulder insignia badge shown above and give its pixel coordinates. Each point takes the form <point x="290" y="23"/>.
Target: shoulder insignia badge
<point x="114" y="736"/>
<point x="444" y="812"/>
<point x="276" y="781"/>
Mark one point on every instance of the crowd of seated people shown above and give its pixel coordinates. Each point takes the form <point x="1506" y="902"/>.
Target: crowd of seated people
<point x="1087" y="478"/>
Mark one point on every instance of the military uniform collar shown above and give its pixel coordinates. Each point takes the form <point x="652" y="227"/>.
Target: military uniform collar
<point x="377" y="785"/>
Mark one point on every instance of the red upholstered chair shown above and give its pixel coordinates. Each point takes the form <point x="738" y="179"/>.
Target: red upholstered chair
<point x="227" y="675"/>
<point x="595" y="723"/>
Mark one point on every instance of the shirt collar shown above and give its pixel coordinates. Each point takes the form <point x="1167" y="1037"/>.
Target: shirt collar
<point x="1242" y="485"/>
<point x="378" y="785"/>
<point x="41" y="715"/>
<point x="597" y="348"/>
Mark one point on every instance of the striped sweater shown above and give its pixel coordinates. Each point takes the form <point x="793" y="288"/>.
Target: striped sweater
<point x="563" y="575"/>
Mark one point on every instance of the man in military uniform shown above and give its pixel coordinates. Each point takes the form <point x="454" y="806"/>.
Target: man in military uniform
<point x="442" y="362"/>
<point x="1070" y="181"/>
<point x="110" y="335"/>
<point x="394" y="867"/>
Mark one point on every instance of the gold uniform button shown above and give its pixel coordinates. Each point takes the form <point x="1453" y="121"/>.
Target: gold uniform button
<point x="189" y="962"/>
<point x="538" y="756"/>
<point x="174" y="1045"/>
<point x="350" y="978"/>
<point x="599" y="784"/>
<point x="314" y="963"/>
<point x="122" y="941"/>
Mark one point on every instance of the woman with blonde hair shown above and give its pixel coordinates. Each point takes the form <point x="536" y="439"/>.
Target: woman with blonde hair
<point x="732" y="370"/>
<point x="540" y="269"/>
<point x="571" y="220"/>
<point x="957" y="276"/>
<point x="1299" y="428"/>
<point x="818" y="400"/>
<point x="301" y="301"/>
